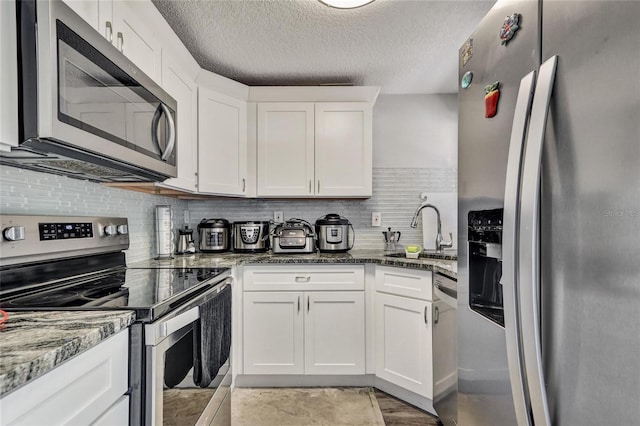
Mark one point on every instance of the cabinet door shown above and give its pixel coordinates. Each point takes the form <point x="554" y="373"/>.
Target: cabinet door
<point x="445" y="348"/>
<point x="183" y="90"/>
<point x="77" y="392"/>
<point x="98" y="13"/>
<point x="222" y="143"/>
<point x="334" y="332"/>
<point x="343" y="149"/>
<point x="273" y="333"/>
<point x="285" y="149"/>
<point x="403" y="343"/>
<point x="135" y="38"/>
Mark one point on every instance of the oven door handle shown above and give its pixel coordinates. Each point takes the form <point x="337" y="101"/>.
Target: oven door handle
<point x="175" y="324"/>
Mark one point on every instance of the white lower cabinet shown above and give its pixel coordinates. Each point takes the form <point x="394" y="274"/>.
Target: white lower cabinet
<point x="403" y="337"/>
<point x="304" y="332"/>
<point x="86" y="389"/>
<point x="297" y="323"/>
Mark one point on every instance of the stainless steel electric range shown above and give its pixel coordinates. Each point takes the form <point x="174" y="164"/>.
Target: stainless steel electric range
<point x="78" y="263"/>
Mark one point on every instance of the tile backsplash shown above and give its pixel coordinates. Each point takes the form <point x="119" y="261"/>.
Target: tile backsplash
<point x="33" y="193"/>
<point x="396" y="195"/>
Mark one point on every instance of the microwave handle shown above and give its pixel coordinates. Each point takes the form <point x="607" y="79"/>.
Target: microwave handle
<point x="171" y="139"/>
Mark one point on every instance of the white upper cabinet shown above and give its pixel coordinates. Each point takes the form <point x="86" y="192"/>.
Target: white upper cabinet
<point x="98" y="13"/>
<point x="222" y="143"/>
<point x="178" y="83"/>
<point x="314" y="149"/>
<point x="343" y="149"/>
<point x="130" y="26"/>
<point x="285" y="149"/>
<point x="134" y="36"/>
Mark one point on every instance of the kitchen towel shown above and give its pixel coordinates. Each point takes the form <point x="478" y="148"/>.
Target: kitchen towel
<point x="212" y="338"/>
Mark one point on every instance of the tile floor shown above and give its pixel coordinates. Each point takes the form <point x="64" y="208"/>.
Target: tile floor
<point x="341" y="406"/>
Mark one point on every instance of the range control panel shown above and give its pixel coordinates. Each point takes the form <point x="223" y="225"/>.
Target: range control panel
<point x="26" y="238"/>
<point x="58" y="231"/>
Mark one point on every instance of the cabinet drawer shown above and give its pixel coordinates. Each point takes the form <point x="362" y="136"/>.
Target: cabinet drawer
<point x="76" y="392"/>
<point x="403" y="282"/>
<point x="303" y="277"/>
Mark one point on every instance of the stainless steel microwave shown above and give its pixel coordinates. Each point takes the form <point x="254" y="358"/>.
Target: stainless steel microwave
<point x="85" y="110"/>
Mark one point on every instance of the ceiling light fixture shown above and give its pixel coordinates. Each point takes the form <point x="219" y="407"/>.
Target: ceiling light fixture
<point x="346" y="4"/>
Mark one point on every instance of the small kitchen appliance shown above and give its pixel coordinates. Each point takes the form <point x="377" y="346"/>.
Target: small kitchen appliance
<point x="214" y="235"/>
<point x="334" y="233"/>
<point x="391" y="238"/>
<point x="251" y="236"/>
<point x="294" y="236"/>
<point x="185" y="241"/>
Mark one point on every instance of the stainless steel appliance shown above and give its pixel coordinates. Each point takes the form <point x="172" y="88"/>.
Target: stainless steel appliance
<point x="559" y="158"/>
<point x="85" y="110"/>
<point x="214" y="235"/>
<point x="78" y="263"/>
<point x="185" y="241"/>
<point x="251" y="236"/>
<point x="294" y="236"/>
<point x="445" y="345"/>
<point x="334" y="234"/>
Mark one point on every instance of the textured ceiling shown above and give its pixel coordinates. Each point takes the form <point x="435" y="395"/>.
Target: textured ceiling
<point x="405" y="46"/>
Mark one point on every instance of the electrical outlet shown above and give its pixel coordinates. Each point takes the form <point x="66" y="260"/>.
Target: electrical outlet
<point x="278" y="217"/>
<point x="186" y="216"/>
<point x="376" y="219"/>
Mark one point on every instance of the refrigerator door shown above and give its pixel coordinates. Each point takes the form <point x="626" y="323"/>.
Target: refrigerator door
<point x="484" y="386"/>
<point x="590" y="214"/>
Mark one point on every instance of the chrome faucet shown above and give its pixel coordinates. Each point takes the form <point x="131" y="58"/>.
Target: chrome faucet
<point x="440" y="242"/>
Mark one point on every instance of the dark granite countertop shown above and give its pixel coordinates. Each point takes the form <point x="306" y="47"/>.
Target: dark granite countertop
<point x="33" y="343"/>
<point x="443" y="263"/>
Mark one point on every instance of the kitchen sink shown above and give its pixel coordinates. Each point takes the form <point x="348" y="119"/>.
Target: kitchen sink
<point x="450" y="254"/>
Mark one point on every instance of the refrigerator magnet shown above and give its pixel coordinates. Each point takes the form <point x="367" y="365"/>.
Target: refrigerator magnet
<point x="466" y="51"/>
<point x="509" y="28"/>
<point x="466" y="79"/>
<point x="491" y="96"/>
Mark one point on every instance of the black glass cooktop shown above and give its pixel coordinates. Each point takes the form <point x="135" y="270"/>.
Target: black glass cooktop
<point x="151" y="292"/>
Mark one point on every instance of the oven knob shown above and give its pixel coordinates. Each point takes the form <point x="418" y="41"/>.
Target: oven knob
<point x="13" y="233"/>
<point x="110" y="230"/>
<point x="123" y="229"/>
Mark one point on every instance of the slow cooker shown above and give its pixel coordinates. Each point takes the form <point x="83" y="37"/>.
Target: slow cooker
<point x="214" y="235"/>
<point x="334" y="233"/>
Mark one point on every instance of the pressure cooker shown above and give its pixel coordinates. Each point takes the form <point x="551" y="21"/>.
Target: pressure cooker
<point x="334" y="233"/>
<point x="214" y="235"/>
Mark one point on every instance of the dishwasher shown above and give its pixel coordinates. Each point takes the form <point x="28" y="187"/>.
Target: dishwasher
<point x="445" y="348"/>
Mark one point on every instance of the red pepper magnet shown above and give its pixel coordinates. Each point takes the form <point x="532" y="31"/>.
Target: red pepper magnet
<point x="491" y="96"/>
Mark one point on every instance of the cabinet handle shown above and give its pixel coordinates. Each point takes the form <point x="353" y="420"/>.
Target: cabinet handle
<point x="309" y="186"/>
<point x="298" y="304"/>
<point x="436" y="315"/>
<point x="109" y="31"/>
<point x="308" y="297"/>
<point x="303" y="279"/>
<point x="318" y="186"/>
<point x="426" y="321"/>
<point x="244" y="184"/>
<point x="120" y="43"/>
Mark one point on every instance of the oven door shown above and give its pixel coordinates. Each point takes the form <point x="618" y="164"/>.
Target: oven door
<point x="172" y="396"/>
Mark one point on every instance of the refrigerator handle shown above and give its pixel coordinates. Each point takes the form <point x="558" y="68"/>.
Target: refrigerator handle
<point x="509" y="249"/>
<point x="529" y="262"/>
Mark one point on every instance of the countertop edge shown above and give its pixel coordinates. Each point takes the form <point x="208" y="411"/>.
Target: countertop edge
<point x="58" y="327"/>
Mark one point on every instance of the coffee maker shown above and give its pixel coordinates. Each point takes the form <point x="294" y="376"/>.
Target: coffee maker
<point x="185" y="244"/>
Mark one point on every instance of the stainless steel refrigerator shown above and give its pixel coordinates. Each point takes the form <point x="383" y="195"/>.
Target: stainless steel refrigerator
<point x="549" y="215"/>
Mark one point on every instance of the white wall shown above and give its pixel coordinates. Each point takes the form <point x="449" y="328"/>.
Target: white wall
<point x="415" y="131"/>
